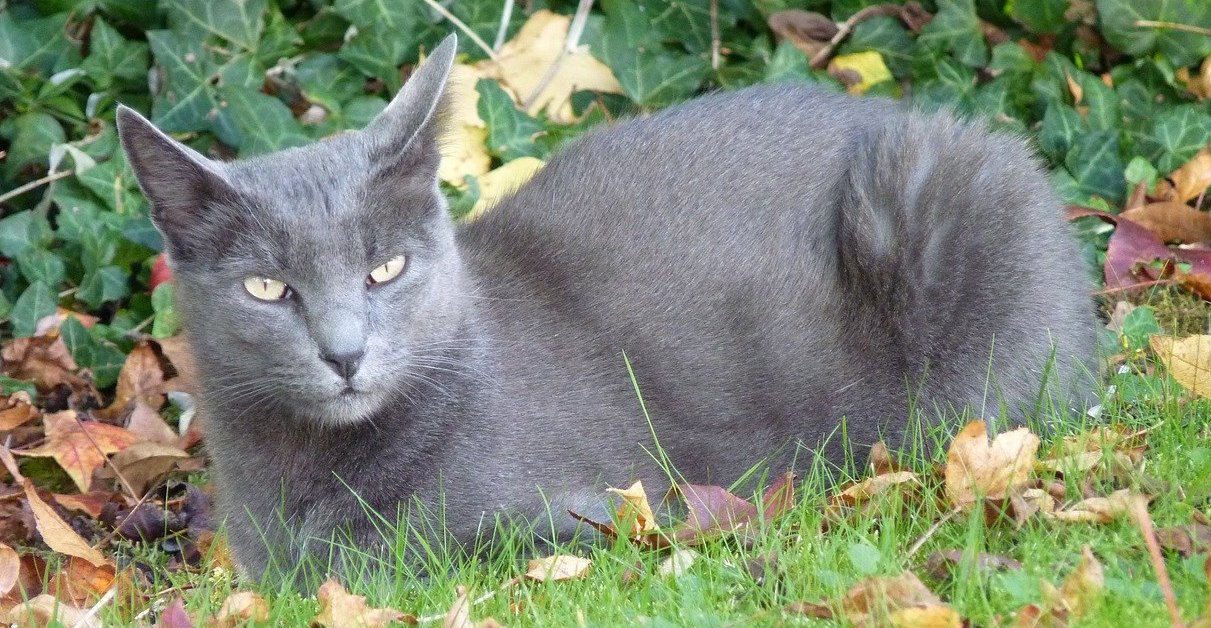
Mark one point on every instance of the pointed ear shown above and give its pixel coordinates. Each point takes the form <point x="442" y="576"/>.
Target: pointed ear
<point x="404" y="135"/>
<point x="177" y="180"/>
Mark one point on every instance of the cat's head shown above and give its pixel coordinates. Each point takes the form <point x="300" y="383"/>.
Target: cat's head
<point x="321" y="279"/>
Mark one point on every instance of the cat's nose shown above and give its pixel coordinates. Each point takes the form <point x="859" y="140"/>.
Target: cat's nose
<point x="345" y="363"/>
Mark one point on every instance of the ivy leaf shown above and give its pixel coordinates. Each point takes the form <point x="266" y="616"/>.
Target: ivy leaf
<point x="376" y="51"/>
<point x="102" y="358"/>
<point x="264" y="122"/>
<point x="163" y="303"/>
<point x="956" y="29"/>
<point x="399" y="18"/>
<point x="1095" y="163"/>
<point x="651" y="75"/>
<point x="237" y="21"/>
<point x="1041" y="16"/>
<point x="21" y="231"/>
<point x="510" y="131"/>
<point x="887" y="36"/>
<point x="114" y="60"/>
<point x="787" y="64"/>
<point x="37" y="301"/>
<point x="1176" y="135"/>
<point x="1104" y="111"/>
<point x="686" y="22"/>
<point x="36" y="132"/>
<point x="39" y="264"/>
<point x="1180" y="47"/>
<point x="951" y="84"/>
<point x="328" y="81"/>
<point x="1061" y="126"/>
<point x="187" y="101"/>
<point x="38" y="44"/>
<point x="104" y="284"/>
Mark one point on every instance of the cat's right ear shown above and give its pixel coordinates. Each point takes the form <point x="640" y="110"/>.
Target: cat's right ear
<point x="177" y="180"/>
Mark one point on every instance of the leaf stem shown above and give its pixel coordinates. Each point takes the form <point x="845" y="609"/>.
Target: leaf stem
<point x="483" y="45"/>
<point x="506" y="14"/>
<point x="1177" y="26"/>
<point x="49" y="178"/>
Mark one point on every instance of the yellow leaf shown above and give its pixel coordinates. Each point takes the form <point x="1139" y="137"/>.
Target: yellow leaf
<point x="463" y="144"/>
<point x="339" y="607"/>
<point x="503" y="181"/>
<point x="558" y="567"/>
<point x="1188" y="360"/>
<point x="868" y="65"/>
<point x="635" y="507"/>
<point x="56" y="532"/>
<point x="537" y="57"/>
<point x="976" y="468"/>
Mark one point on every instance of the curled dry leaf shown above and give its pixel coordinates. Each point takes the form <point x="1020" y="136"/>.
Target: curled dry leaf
<point x="1188" y="360"/>
<point x="241" y="608"/>
<point x="340" y="608"/>
<point x="57" y="533"/>
<point x="145" y="463"/>
<point x="10" y="569"/>
<point x="180" y="355"/>
<point x="901" y="600"/>
<point x="636" y="509"/>
<point x="18" y="409"/>
<point x="558" y="567"/>
<point x="713" y="508"/>
<point x="977" y="468"/>
<point x="463" y="144"/>
<point x="814" y="610"/>
<point x="146" y="423"/>
<point x="45" y="610"/>
<point x="502" y="181"/>
<point x="79" y="446"/>
<point x="1187" y="540"/>
<point x="459" y="615"/>
<point x="1098" y="509"/>
<point x="538" y="57"/>
<point x="80" y="582"/>
<point x="1173" y="222"/>
<point x="881" y="461"/>
<point x="43" y="360"/>
<point x="1193" y="177"/>
<point x="1072" y="600"/>
<point x="677" y="563"/>
<point x="141" y="378"/>
<point x="807" y="30"/>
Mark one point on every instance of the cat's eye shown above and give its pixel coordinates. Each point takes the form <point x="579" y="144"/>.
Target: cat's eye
<point x="388" y="271"/>
<point x="266" y="289"/>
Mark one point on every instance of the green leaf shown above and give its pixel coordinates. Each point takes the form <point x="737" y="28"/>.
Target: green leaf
<point x="687" y="22"/>
<point x="400" y="18"/>
<point x="649" y="73"/>
<point x="37" y="301"/>
<point x="102" y="358"/>
<point x="1040" y="16"/>
<point x="265" y="124"/>
<point x="237" y="21"/>
<point x="328" y="81"/>
<point x="163" y="303"/>
<point x="9" y="386"/>
<point x="1104" y="111"/>
<point x="952" y="85"/>
<point x="36" y="133"/>
<point x="1176" y="135"/>
<point x="113" y="60"/>
<point x="510" y="131"/>
<point x="1182" y="48"/>
<point x="187" y="101"/>
<point x="1138" y="171"/>
<point x="1095" y="163"/>
<point x="38" y="44"/>
<point x="377" y="51"/>
<point x="787" y="64"/>
<point x="956" y="29"/>
<point x="102" y="285"/>
<point x="887" y="36"/>
<point x="21" y="231"/>
<point x="38" y="264"/>
<point x="1061" y="126"/>
<point x="1139" y="325"/>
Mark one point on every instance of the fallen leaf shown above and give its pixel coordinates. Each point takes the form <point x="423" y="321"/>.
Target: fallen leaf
<point x="87" y="503"/>
<point x="463" y="143"/>
<point x="807" y="30"/>
<point x="459" y="615"/>
<point x="809" y="609"/>
<point x="558" y="567"/>
<point x="1193" y="177"/>
<point x="1072" y="600"/>
<point x="44" y="610"/>
<point x="880" y="601"/>
<point x="677" y="563"/>
<point x="1198" y="84"/>
<point x="141" y="379"/>
<point x="502" y="181"/>
<point x="1172" y="222"/>
<point x="779" y="497"/>
<point x="180" y="355"/>
<point x="146" y="423"/>
<point x="51" y="323"/>
<point x="635" y="509"/>
<point x="861" y="492"/>
<point x="10" y="569"/>
<point x="57" y="534"/>
<point x="538" y="56"/>
<point x="976" y="468"/>
<point x="80" y="582"/>
<point x="79" y="446"/>
<point x="1187" y="540"/>
<point x="713" y="508"/>
<point x="145" y="463"/>
<point x="881" y="461"/>
<point x="1188" y="360"/>
<point x="241" y="608"/>
<point x="43" y="360"/>
<point x="867" y="65"/>
<point x="175" y="616"/>
<point x="340" y="608"/>
<point x="942" y="565"/>
<point x="18" y="410"/>
<point x="1097" y="509"/>
<point x="1133" y="249"/>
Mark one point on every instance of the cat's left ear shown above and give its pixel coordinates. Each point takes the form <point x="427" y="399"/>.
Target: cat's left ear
<point x="404" y="135"/>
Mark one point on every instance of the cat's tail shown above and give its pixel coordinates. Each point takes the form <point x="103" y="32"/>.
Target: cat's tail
<point x="956" y="248"/>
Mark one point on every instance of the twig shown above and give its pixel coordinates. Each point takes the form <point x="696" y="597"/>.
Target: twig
<point x="483" y="45"/>
<point x="92" y="612"/>
<point x="428" y="619"/>
<point x="1142" y="284"/>
<point x="933" y="529"/>
<point x="50" y="178"/>
<point x="575" y="30"/>
<point x="847" y="27"/>
<point x="505" y="16"/>
<point x="714" y="34"/>
<point x="1139" y="512"/>
<point x="1177" y="26"/>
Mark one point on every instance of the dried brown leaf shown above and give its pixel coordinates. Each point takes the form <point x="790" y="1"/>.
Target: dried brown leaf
<point x="43" y="360"/>
<point x="141" y="379"/>
<point x="18" y="409"/>
<point x="145" y="463"/>
<point x="175" y="616"/>
<point x="1072" y="600"/>
<point x="558" y="567"/>
<point x="57" y="533"/>
<point x="459" y="615"/>
<point x="779" y="497"/>
<point x="880" y="601"/>
<point x="807" y="30"/>
<point x="942" y="565"/>
<point x="713" y="508"/>
<point x="241" y="608"/>
<point x="1173" y="222"/>
<point x="1188" y="360"/>
<point x="10" y="569"/>
<point x="1097" y="509"/>
<point x="340" y="608"/>
<point x="80" y="582"/>
<point x="146" y="423"/>
<point x="78" y="446"/>
<point x="635" y="508"/>
<point x="180" y="355"/>
<point x="978" y="469"/>
<point x="1193" y="177"/>
<point x="45" y="610"/>
<point x="809" y="609"/>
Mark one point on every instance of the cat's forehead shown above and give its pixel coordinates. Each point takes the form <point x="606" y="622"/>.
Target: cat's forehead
<point x="321" y="181"/>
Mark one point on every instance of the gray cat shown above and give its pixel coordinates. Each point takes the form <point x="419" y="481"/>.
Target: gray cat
<point x="770" y="261"/>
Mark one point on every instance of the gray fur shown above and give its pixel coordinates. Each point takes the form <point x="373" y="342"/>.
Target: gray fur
<point x="769" y="260"/>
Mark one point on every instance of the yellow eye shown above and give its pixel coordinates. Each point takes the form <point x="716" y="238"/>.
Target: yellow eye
<point x="266" y="289"/>
<point x="388" y="271"/>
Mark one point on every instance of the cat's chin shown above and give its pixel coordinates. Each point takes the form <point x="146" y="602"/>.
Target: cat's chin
<point x="345" y="409"/>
